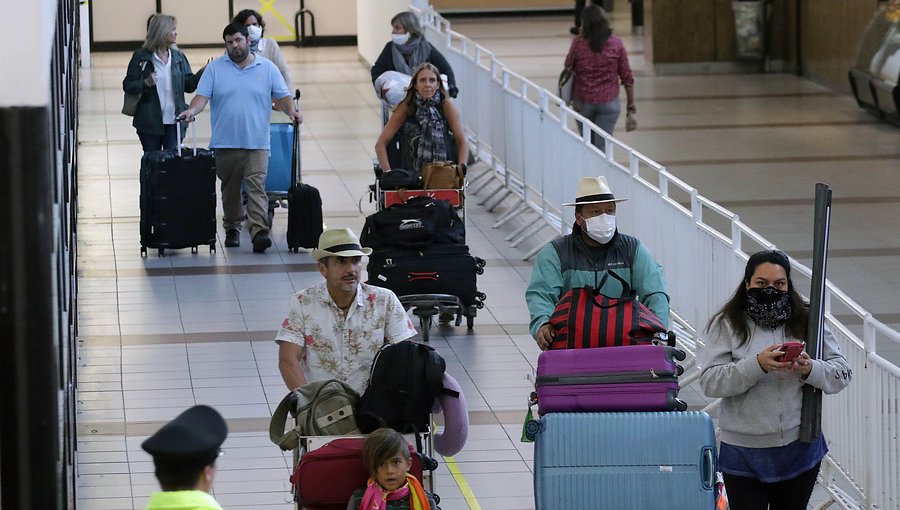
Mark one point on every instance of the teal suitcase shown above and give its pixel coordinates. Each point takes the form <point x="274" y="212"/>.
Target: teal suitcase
<point x="624" y="461"/>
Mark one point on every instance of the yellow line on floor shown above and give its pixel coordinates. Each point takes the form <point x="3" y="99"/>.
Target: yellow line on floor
<point x="462" y="483"/>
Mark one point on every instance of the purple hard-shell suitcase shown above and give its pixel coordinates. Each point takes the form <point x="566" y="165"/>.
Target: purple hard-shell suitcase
<point x="624" y="378"/>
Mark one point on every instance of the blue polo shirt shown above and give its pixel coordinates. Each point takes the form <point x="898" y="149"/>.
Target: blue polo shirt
<point x="241" y="101"/>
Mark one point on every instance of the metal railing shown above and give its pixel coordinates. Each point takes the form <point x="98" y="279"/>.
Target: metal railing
<point x="536" y="152"/>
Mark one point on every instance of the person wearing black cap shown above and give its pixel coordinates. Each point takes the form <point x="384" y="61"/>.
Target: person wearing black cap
<point x="581" y="258"/>
<point x="184" y="454"/>
<point x="334" y="329"/>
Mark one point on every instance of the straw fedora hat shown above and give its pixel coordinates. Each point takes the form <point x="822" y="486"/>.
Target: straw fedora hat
<point x="339" y="242"/>
<point x="594" y="190"/>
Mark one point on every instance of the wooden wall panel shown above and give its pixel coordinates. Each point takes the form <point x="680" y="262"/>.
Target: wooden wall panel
<point x="831" y="32"/>
<point x="680" y="30"/>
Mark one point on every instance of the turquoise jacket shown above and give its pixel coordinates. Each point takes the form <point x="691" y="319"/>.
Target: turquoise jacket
<point x="567" y="263"/>
<point x="182" y="500"/>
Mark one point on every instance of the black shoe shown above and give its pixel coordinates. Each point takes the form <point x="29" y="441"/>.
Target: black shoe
<point x="232" y="238"/>
<point x="261" y="242"/>
<point x="574" y="30"/>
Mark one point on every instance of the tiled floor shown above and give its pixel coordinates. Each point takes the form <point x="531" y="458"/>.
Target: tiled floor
<point x="160" y="334"/>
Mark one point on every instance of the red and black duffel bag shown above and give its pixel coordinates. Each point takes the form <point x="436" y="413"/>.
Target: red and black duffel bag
<point x="585" y="318"/>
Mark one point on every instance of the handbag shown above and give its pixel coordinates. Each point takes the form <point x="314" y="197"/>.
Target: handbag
<point x="442" y="175"/>
<point x="566" y="81"/>
<point x="585" y="318"/>
<point x="129" y="106"/>
<point x="321" y="408"/>
<point x="630" y="122"/>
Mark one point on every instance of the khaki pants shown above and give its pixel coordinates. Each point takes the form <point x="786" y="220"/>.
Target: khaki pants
<point x="247" y="166"/>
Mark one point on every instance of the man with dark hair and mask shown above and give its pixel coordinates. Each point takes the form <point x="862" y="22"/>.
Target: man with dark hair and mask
<point x="763" y="461"/>
<point x="581" y="258"/>
<point x="184" y="457"/>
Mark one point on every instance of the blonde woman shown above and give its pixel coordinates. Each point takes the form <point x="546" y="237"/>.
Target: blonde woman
<point x="160" y="72"/>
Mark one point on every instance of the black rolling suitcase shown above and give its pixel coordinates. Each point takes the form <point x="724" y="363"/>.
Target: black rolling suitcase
<point x="436" y="269"/>
<point x="304" y="206"/>
<point x="178" y="199"/>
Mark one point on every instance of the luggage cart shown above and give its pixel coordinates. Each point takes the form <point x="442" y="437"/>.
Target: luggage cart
<point x="426" y="306"/>
<point x="423" y="442"/>
<point x="284" y="150"/>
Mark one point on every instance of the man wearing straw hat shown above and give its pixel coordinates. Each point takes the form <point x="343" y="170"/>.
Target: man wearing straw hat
<point x="334" y="329"/>
<point x="581" y="258"/>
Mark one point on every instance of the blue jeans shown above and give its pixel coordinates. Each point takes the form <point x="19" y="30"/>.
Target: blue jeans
<point x="603" y="115"/>
<point x="156" y="142"/>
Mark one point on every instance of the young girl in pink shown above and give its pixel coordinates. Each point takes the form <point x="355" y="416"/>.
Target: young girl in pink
<point x="390" y="486"/>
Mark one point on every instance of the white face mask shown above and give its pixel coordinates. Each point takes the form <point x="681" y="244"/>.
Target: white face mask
<point x="400" y="39"/>
<point x="255" y="32"/>
<point x="601" y="228"/>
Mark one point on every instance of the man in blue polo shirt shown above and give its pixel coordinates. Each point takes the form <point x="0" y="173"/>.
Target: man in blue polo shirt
<point x="240" y="88"/>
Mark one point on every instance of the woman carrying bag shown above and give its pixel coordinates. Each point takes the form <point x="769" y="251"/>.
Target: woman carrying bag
<point x="600" y="63"/>
<point x="158" y="74"/>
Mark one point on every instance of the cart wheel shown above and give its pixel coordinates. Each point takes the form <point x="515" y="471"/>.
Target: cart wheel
<point x="481" y="296"/>
<point x="143" y="252"/>
<point x="470" y="321"/>
<point x="212" y="247"/>
<point x="194" y="249"/>
<point x="458" y="319"/>
<point x="532" y="427"/>
<point x="161" y="252"/>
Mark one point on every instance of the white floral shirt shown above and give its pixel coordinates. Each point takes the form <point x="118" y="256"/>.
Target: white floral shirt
<point x="339" y="347"/>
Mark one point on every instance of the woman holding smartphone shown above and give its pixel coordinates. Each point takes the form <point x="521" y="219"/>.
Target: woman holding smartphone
<point x="762" y="460"/>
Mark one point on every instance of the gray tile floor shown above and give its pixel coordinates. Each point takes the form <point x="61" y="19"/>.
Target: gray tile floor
<point x="160" y="334"/>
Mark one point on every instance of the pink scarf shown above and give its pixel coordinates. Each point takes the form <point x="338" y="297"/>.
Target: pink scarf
<point x="376" y="498"/>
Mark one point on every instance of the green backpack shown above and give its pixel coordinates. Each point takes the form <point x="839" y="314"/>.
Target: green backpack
<point x="320" y="408"/>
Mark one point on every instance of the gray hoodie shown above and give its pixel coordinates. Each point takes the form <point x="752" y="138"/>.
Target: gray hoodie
<point x="758" y="409"/>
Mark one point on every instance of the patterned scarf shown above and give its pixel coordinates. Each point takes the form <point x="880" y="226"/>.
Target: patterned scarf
<point x="768" y="307"/>
<point x="416" y="48"/>
<point x="432" y="146"/>
<point x="376" y="498"/>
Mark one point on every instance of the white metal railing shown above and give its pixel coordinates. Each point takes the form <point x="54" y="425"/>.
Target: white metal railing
<point x="536" y="153"/>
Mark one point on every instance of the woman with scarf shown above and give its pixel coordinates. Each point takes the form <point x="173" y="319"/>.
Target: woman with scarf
<point x="265" y="47"/>
<point x="408" y="49"/>
<point x="429" y="124"/>
<point x="390" y="486"/>
<point x="760" y="456"/>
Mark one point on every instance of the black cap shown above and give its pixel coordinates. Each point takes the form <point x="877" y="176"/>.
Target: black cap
<point x="194" y="437"/>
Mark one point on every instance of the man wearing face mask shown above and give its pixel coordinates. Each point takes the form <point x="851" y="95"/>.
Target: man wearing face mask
<point x="240" y="88"/>
<point x="581" y="258"/>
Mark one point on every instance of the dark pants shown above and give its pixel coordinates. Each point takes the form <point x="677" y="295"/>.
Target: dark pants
<point x="751" y="494"/>
<point x="579" y="6"/>
<point x="156" y="142"/>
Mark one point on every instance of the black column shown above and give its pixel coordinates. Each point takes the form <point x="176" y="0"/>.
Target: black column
<point x="30" y="465"/>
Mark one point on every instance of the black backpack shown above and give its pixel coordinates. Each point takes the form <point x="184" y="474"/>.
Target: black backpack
<point x="400" y="178"/>
<point x="403" y="383"/>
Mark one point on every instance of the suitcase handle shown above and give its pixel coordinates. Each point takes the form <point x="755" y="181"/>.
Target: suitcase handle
<point x="295" y="149"/>
<point x="708" y="469"/>
<point x="193" y="136"/>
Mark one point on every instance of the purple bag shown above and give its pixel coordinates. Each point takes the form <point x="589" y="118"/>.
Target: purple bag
<point x="624" y="378"/>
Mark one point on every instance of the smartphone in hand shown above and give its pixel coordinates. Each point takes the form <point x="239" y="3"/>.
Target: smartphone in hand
<point x="791" y="350"/>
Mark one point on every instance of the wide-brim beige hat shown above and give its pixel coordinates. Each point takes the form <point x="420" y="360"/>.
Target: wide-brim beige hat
<point x="339" y="242"/>
<point x="594" y="190"/>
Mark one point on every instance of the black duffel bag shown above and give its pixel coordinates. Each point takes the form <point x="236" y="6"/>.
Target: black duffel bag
<point x="419" y="222"/>
<point x="400" y="178"/>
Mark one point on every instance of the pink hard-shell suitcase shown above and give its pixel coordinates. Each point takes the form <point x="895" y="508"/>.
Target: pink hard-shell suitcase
<point x="624" y="378"/>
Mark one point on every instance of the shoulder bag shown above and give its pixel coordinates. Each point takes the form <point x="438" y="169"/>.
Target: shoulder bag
<point x="566" y="81"/>
<point x="129" y="107"/>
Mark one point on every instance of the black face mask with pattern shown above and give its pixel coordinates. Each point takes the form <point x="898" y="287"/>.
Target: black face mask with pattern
<point x="768" y="306"/>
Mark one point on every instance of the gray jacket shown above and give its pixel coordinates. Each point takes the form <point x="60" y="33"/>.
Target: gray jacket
<point x="761" y="410"/>
<point x="148" y="118"/>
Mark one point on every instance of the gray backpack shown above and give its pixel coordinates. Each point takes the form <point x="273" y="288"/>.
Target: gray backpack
<point x="321" y="408"/>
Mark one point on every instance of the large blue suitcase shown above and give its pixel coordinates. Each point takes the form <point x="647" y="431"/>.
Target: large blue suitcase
<point x="587" y="461"/>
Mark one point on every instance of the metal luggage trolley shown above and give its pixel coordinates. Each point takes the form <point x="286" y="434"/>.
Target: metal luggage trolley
<point x="423" y="442"/>
<point x="284" y="166"/>
<point x="426" y="306"/>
